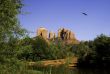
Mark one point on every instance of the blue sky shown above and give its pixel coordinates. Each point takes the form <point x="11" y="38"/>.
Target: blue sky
<point x="53" y="14"/>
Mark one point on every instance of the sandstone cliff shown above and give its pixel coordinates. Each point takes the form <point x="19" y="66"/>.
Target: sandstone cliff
<point x="65" y="35"/>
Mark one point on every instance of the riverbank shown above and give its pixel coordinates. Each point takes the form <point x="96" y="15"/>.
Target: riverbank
<point x="69" y="62"/>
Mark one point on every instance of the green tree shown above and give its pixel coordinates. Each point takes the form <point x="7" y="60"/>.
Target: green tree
<point x="94" y="53"/>
<point x="85" y="53"/>
<point x="40" y="48"/>
<point x="10" y="29"/>
<point x="102" y="48"/>
<point x="10" y="33"/>
<point x="9" y="24"/>
<point x="25" y="50"/>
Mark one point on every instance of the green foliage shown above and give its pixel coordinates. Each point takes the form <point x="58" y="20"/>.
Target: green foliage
<point x="10" y="33"/>
<point x="40" y="43"/>
<point x="33" y="49"/>
<point x="56" y="51"/>
<point x="94" y="53"/>
<point x="43" y="49"/>
<point x="10" y="30"/>
<point x="40" y="48"/>
<point x="102" y="48"/>
<point x="83" y="50"/>
<point x="102" y="44"/>
<point x="25" y="53"/>
<point x="26" y="41"/>
<point x="9" y="25"/>
<point x="59" y="50"/>
<point x="85" y="53"/>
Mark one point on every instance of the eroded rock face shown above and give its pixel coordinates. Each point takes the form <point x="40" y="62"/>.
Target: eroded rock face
<point x="59" y="32"/>
<point x="71" y="35"/>
<point x="51" y="35"/>
<point x="43" y="32"/>
<point x="65" y="34"/>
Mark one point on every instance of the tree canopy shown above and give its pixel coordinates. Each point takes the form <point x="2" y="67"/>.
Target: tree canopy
<point x="9" y="23"/>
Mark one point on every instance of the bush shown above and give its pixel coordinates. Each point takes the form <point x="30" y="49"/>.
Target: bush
<point x="94" y="53"/>
<point x="102" y="48"/>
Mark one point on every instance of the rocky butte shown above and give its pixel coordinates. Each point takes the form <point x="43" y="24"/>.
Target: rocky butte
<point x="65" y="35"/>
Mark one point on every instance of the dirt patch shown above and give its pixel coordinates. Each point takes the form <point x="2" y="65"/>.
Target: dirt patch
<point x="71" y="62"/>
